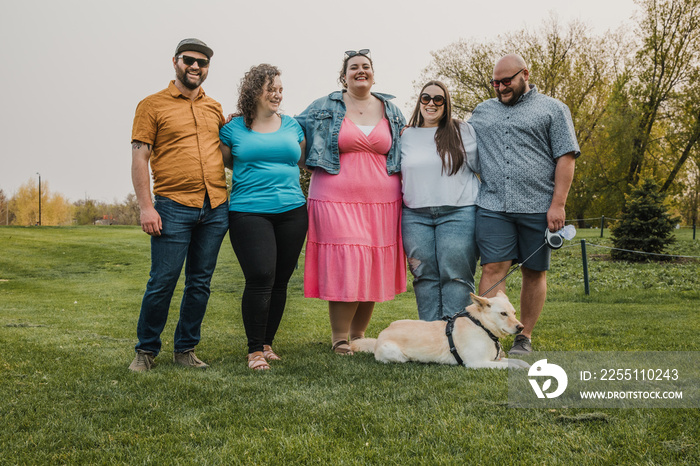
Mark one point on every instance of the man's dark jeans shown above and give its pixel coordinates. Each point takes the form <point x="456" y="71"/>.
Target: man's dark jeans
<point x="190" y="236"/>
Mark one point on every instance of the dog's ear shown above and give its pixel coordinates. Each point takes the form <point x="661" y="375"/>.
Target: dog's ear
<point x="479" y="301"/>
<point x="501" y="294"/>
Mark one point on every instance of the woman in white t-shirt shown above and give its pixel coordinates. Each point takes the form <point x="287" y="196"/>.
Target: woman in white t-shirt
<point x="438" y="161"/>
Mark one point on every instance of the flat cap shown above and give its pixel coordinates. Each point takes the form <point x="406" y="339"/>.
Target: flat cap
<point x="194" y="45"/>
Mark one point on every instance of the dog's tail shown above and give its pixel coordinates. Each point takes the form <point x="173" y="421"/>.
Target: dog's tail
<point x="365" y="345"/>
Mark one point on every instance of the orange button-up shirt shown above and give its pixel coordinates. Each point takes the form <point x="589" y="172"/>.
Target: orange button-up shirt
<point x="186" y="160"/>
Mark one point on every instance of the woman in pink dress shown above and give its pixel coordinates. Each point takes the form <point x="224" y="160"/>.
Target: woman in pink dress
<point x="354" y="252"/>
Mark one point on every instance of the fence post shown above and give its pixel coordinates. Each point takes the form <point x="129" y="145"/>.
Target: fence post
<point x="602" y="225"/>
<point x="584" y="257"/>
<point x="693" y="228"/>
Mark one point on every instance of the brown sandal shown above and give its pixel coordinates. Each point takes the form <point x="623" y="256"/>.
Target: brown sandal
<point x="343" y="348"/>
<point x="257" y="362"/>
<point x="269" y="354"/>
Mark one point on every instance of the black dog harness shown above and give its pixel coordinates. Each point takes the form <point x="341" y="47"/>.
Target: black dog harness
<point x="450" y="327"/>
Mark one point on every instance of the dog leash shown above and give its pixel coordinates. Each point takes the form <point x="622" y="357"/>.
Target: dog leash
<point x="513" y="270"/>
<point x="451" y="319"/>
<point x="553" y="240"/>
<point x="450" y="327"/>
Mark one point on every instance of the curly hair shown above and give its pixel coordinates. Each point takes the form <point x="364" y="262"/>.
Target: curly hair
<point x="251" y="88"/>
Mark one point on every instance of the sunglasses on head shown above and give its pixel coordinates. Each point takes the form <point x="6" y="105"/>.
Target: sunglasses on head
<point x="438" y="100"/>
<point x="504" y="81"/>
<point x="189" y="61"/>
<point x="352" y="53"/>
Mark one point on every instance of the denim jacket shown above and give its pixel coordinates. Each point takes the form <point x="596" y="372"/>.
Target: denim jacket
<point x="321" y="123"/>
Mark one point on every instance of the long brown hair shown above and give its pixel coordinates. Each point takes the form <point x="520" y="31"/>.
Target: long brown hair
<point x="448" y="138"/>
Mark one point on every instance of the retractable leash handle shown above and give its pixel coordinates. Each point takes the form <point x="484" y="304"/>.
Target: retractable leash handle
<point x="553" y="240"/>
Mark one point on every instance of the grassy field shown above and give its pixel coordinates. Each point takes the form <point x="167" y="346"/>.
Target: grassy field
<point x="69" y="301"/>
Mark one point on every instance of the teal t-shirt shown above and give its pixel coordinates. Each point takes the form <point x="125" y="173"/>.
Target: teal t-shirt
<point x="265" y="173"/>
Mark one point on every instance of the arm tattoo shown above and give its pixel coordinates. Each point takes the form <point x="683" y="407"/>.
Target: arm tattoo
<point x="139" y="144"/>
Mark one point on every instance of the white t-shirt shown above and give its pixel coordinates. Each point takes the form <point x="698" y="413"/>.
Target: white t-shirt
<point x="424" y="184"/>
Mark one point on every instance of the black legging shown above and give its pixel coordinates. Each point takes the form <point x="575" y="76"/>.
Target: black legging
<point x="267" y="247"/>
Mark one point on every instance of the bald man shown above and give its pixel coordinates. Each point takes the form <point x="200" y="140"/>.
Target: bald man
<point x="527" y="150"/>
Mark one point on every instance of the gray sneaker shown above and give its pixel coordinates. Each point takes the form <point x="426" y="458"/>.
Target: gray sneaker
<point x="521" y="345"/>
<point x="189" y="359"/>
<point x="142" y="362"/>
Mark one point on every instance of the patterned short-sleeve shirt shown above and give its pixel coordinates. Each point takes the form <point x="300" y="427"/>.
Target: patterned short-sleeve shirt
<point x="518" y="147"/>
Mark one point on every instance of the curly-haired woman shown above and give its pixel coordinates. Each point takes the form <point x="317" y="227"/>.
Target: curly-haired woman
<point x="267" y="210"/>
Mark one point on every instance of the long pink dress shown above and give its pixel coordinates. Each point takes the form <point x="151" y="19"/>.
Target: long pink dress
<point x="354" y="250"/>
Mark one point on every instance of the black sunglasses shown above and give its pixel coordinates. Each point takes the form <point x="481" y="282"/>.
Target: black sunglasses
<point x="189" y="61"/>
<point x="504" y="81"/>
<point x="438" y="100"/>
<point x="352" y="53"/>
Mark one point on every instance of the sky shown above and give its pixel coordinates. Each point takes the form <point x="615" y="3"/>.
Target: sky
<point x="74" y="70"/>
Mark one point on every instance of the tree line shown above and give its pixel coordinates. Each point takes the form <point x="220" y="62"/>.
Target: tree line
<point x="23" y="209"/>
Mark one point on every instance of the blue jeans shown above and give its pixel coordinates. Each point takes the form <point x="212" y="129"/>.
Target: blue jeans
<point x="441" y="248"/>
<point x="192" y="234"/>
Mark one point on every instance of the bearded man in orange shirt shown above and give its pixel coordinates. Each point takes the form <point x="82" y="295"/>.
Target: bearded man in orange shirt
<point x="177" y="131"/>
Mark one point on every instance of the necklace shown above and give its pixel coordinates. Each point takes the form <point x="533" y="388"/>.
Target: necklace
<point x="357" y="107"/>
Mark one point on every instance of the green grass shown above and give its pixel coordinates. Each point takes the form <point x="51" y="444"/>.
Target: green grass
<point x="69" y="301"/>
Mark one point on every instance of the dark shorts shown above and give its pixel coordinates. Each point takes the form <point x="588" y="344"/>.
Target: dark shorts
<point x="512" y="237"/>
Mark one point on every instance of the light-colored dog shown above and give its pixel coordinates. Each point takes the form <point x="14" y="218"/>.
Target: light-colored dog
<point x="417" y="340"/>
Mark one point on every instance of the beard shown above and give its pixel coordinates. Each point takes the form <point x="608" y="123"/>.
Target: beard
<point x="187" y="80"/>
<point x="516" y="93"/>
